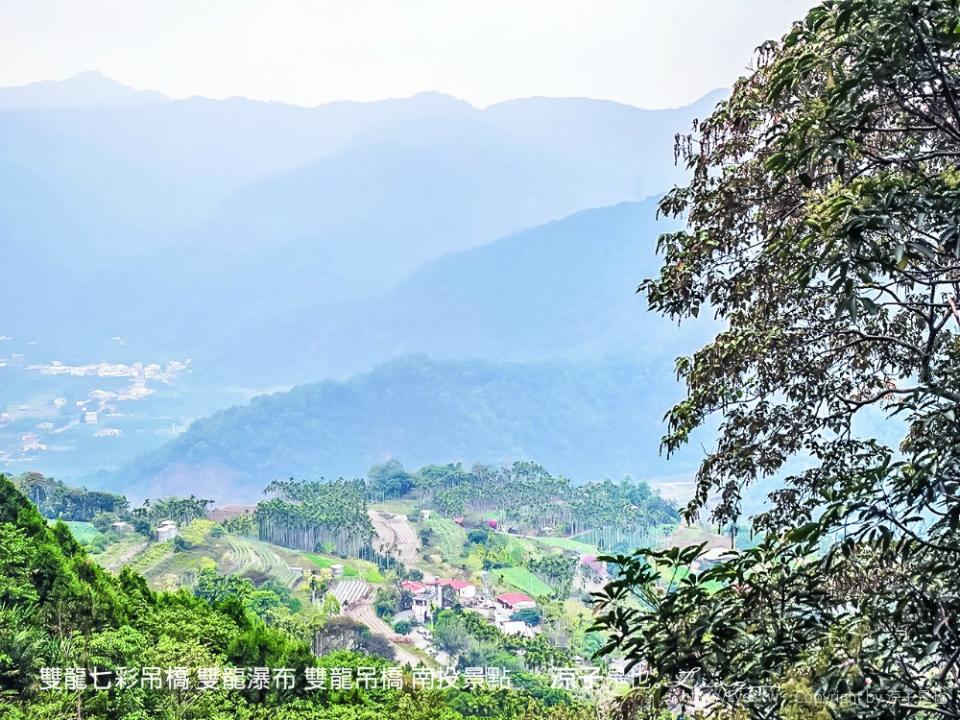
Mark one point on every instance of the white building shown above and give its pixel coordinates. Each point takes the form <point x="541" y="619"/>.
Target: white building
<point x="461" y="588"/>
<point x="167" y="530"/>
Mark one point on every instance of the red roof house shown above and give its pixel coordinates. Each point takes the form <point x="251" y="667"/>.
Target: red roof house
<point x="413" y="586"/>
<point x="516" y="601"/>
<point x="462" y="588"/>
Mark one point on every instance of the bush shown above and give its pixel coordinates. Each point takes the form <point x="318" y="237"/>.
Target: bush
<point x="478" y="536"/>
<point x="402" y="627"/>
<point x="530" y="616"/>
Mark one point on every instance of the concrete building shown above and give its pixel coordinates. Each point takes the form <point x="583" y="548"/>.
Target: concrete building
<point x="462" y="589"/>
<point x="517" y="627"/>
<point x="167" y="530"/>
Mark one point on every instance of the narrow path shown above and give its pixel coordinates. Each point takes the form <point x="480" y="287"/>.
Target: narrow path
<point x="362" y="610"/>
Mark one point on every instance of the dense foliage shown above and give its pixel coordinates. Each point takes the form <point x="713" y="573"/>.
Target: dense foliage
<point x="56" y="500"/>
<point x="823" y="215"/>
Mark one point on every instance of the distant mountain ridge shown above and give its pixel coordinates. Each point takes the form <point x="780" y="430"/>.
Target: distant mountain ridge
<point x="274" y="245"/>
<point x="565" y="289"/>
<point x="342" y="200"/>
<point x="86" y="89"/>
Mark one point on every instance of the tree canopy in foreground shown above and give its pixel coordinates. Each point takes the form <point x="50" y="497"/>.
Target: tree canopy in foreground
<point x="823" y="228"/>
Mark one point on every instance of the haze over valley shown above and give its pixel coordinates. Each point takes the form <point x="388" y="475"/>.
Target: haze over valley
<point x="178" y="257"/>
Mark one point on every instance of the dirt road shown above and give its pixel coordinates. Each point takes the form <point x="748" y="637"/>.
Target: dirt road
<point x="361" y="609"/>
<point x="396" y="536"/>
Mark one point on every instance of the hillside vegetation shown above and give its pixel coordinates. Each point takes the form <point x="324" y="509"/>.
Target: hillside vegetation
<point x="593" y="419"/>
<point x="59" y="609"/>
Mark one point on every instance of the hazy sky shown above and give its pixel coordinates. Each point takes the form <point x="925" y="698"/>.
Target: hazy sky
<point x="650" y="53"/>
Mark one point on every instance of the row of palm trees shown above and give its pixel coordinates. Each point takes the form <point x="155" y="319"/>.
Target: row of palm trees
<point x="316" y="516"/>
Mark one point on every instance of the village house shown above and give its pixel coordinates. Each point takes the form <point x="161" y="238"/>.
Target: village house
<point x="461" y="588"/>
<point x="424" y="603"/>
<point x="517" y="627"/>
<point x="122" y="527"/>
<point x="167" y="530"/>
<point x="597" y="568"/>
<point x="514" y="601"/>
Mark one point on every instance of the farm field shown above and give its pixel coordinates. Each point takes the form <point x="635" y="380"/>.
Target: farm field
<point x="245" y="555"/>
<point x="151" y="555"/>
<point x="348" y="592"/>
<point x="119" y="553"/>
<point x="83" y="532"/>
<point x="523" y="580"/>
<point x="398" y="507"/>
<point x="449" y="538"/>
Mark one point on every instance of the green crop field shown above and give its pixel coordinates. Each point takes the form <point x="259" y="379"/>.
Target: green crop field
<point x="152" y="555"/>
<point x="196" y="531"/>
<point x="83" y="532"/>
<point x="523" y="580"/>
<point x="449" y="538"/>
<point x="398" y="507"/>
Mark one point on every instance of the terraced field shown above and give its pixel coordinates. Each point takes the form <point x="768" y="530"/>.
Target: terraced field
<point x="349" y="592"/>
<point x="153" y="554"/>
<point x="396" y="536"/>
<point x="121" y="553"/>
<point x="245" y="555"/>
<point x="361" y="609"/>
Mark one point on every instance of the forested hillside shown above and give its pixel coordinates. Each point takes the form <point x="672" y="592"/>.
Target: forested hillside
<point x="591" y="419"/>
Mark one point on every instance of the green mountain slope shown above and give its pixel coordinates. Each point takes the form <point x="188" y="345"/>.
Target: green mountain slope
<point x="585" y="419"/>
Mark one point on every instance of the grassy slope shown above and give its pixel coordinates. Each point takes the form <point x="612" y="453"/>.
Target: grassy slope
<point x="448" y="537"/>
<point x="83" y="532"/>
<point x="523" y="580"/>
<point x="352" y="568"/>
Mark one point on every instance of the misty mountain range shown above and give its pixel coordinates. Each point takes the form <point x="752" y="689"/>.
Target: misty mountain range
<point x="276" y="245"/>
